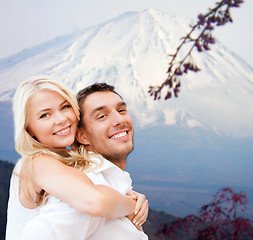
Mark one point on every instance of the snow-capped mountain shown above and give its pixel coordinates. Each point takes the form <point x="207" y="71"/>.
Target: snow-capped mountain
<point x="131" y="52"/>
<point x="177" y="162"/>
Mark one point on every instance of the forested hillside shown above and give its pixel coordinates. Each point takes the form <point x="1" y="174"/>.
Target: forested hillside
<point x="5" y="173"/>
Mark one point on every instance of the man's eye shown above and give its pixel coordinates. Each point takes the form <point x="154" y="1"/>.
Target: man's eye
<point x="101" y="116"/>
<point x="122" y="110"/>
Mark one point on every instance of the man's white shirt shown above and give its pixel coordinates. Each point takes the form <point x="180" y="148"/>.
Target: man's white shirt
<point x="59" y="221"/>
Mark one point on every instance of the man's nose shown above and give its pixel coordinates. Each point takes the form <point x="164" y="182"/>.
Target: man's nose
<point x="60" y="118"/>
<point x="118" y="119"/>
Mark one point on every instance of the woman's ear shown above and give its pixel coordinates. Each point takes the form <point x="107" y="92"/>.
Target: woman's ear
<point x="30" y="132"/>
<point x="80" y="137"/>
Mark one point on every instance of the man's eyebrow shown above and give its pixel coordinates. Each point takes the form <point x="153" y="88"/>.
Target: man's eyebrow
<point x="122" y="103"/>
<point x="99" y="108"/>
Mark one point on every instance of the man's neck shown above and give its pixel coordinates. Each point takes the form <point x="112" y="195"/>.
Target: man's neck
<point x="121" y="164"/>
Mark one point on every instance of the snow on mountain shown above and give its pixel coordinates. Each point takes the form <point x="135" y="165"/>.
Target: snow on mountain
<point x="131" y="52"/>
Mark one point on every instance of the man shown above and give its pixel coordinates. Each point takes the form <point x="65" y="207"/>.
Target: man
<point x="105" y="128"/>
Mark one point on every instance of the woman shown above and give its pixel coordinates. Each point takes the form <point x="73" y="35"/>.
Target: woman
<point x="46" y="116"/>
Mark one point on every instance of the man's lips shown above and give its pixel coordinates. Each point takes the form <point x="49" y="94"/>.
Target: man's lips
<point x="119" y="135"/>
<point x="63" y="131"/>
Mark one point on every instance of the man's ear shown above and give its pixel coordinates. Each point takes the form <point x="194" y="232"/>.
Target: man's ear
<point x="81" y="138"/>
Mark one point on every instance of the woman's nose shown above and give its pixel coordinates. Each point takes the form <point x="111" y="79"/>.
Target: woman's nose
<point x="59" y="118"/>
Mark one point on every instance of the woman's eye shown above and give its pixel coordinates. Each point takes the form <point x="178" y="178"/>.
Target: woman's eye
<point x="44" y="115"/>
<point x="66" y="106"/>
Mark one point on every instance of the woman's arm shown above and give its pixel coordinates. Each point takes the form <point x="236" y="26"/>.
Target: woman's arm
<point x="140" y="214"/>
<point x="74" y="187"/>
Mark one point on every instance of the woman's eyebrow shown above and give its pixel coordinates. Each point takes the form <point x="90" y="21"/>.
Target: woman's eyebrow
<point x="47" y="109"/>
<point x="63" y="102"/>
<point x="42" y="110"/>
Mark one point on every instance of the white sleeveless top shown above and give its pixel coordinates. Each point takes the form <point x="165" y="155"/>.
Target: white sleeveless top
<point x="17" y="215"/>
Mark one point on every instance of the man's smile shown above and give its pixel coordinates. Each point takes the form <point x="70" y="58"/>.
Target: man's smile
<point x="119" y="135"/>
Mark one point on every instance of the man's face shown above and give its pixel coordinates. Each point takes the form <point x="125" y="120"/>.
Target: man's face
<point x="108" y="128"/>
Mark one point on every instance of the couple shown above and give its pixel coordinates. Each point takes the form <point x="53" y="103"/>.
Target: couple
<point x="50" y="196"/>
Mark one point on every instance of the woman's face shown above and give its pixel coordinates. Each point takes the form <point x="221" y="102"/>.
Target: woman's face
<point x="51" y="119"/>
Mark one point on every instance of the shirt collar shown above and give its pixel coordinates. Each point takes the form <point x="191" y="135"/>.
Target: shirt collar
<point x="103" y="164"/>
<point x="121" y="179"/>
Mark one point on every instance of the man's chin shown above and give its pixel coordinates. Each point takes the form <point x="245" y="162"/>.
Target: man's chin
<point x="118" y="154"/>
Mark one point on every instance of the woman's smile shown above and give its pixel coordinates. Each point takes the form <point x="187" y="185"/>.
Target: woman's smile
<point x="63" y="132"/>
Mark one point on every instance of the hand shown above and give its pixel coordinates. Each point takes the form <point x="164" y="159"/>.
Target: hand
<point x="141" y="209"/>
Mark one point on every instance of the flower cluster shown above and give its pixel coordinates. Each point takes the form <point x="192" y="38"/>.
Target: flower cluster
<point x="217" y="16"/>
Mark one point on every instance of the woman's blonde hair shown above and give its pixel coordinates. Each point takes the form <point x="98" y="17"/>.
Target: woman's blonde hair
<point x="29" y="147"/>
<point x="26" y="145"/>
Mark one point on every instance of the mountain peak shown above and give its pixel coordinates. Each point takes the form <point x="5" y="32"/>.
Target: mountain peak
<point x="131" y="52"/>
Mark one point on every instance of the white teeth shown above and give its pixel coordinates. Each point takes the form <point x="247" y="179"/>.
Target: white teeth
<point x="62" y="132"/>
<point x="119" y="135"/>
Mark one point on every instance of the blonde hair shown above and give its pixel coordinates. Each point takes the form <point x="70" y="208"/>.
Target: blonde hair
<point x="27" y="146"/>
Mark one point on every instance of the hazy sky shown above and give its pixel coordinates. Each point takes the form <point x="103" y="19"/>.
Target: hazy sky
<point x="25" y="23"/>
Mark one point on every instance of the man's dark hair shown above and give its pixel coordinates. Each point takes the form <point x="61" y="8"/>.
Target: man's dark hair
<point x="96" y="87"/>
